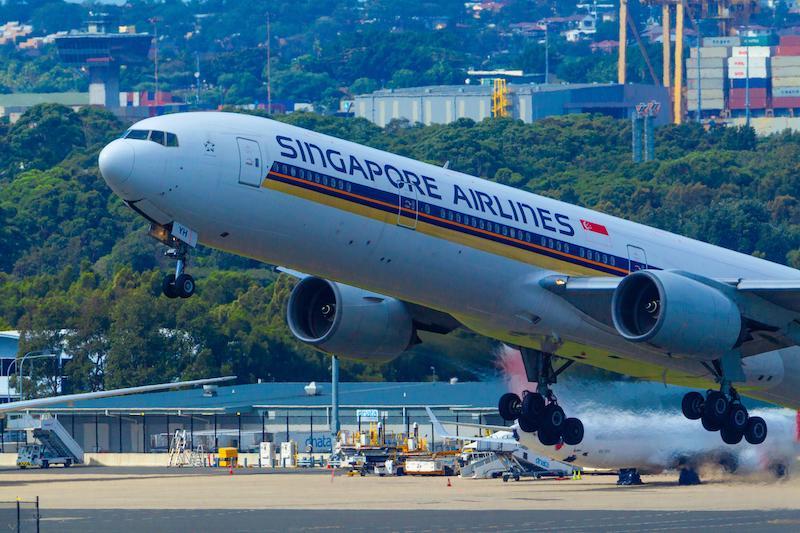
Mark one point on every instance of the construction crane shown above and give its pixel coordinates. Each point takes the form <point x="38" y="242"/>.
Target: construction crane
<point x="728" y="13"/>
<point x="500" y="102"/>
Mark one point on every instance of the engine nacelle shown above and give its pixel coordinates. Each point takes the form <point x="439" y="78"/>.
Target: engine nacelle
<point x="349" y="322"/>
<point x="678" y="314"/>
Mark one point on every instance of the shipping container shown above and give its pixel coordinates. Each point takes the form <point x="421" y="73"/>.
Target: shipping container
<point x="786" y="92"/>
<point x="710" y="94"/>
<point x="741" y="73"/>
<point x="785" y="72"/>
<point x="786" y="82"/>
<point x="704" y="73"/>
<point x="743" y="62"/>
<point x="784" y="102"/>
<point x="706" y="104"/>
<point x="787" y="51"/>
<point x="742" y="93"/>
<point x="759" y="40"/>
<point x="785" y="61"/>
<point x="721" y="41"/>
<point x="706" y="83"/>
<point x="790" y="40"/>
<point x="752" y="51"/>
<point x="755" y="103"/>
<point x="752" y="83"/>
<point x="711" y="51"/>
<point x="706" y="62"/>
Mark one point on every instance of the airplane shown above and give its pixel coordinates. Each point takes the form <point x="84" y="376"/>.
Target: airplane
<point x="631" y="444"/>
<point x="391" y="247"/>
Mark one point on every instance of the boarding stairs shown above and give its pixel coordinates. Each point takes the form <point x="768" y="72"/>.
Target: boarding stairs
<point x="50" y="433"/>
<point x="177" y="450"/>
<point x="489" y="466"/>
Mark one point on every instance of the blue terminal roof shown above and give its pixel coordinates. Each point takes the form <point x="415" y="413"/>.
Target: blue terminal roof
<point x="246" y="398"/>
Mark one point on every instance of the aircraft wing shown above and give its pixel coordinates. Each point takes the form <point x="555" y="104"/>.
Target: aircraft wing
<point x="25" y="405"/>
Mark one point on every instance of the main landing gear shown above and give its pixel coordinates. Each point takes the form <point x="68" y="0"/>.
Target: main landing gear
<point x="179" y="284"/>
<point x="539" y="411"/>
<point x="723" y="411"/>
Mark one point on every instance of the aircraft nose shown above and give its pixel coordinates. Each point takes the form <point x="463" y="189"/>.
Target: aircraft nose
<point x="116" y="162"/>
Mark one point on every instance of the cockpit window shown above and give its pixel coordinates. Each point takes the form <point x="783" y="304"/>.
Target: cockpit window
<point x="137" y="134"/>
<point x="160" y="137"/>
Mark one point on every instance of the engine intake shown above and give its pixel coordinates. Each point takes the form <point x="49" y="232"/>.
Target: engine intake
<point x="349" y="322"/>
<point x="679" y="314"/>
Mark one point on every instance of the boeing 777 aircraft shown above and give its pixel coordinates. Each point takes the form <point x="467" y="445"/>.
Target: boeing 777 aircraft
<point x="390" y="247"/>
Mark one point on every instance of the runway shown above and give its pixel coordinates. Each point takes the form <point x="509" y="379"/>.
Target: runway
<point x="161" y="499"/>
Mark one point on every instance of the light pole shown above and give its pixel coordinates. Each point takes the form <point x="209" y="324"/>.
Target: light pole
<point x="36" y="354"/>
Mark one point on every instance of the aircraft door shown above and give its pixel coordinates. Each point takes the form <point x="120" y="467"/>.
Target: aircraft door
<point x="250" y="162"/>
<point x="637" y="258"/>
<point x="407" y="208"/>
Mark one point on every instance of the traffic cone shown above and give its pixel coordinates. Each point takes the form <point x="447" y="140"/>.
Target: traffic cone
<point x="230" y="470"/>
<point x="448" y="483"/>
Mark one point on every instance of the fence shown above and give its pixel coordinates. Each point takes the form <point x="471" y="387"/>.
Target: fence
<point x="147" y="433"/>
<point x="20" y="516"/>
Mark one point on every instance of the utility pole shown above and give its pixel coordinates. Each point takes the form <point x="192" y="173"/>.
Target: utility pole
<point x="546" y="52"/>
<point x="269" y="77"/>
<point x="334" y="400"/>
<point x="623" y="41"/>
<point x="197" y="79"/>
<point x="154" y="20"/>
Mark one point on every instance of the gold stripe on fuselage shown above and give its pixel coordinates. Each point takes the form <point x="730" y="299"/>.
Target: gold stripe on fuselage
<point x="504" y="250"/>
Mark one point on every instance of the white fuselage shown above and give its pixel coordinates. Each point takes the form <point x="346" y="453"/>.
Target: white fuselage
<point x="421" y="233"/>
<point x="651" y="444"/>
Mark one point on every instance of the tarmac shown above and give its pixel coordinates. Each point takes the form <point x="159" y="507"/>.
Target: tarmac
<point x="195" y="499"/>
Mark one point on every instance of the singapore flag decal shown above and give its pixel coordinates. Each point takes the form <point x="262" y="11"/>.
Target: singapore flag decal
<point x="594" y="227"/>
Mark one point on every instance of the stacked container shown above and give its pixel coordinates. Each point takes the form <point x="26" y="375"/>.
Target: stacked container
<point x="786" y="73"/>
<point x="749" y="66"/>
<point x="706" y="69"/>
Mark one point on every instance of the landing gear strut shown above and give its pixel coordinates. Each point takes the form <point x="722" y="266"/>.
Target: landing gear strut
<point x="539" y="411"/>
<point x="179" y="284"/>
<point x="723" y="411"/>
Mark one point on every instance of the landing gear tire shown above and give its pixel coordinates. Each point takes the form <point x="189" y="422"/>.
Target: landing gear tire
<point x="731" y="435"/>
<point x="756" y="430"/>
<point x="573" y="431"/>
<point x="533" y="404"/>
<point x="693" y="405"/>
<point x="185" y="286"/>
<point x="709" y="424"/>
<point x="168" y="286"/>
<point x="737" y="418"/>
<point x="528" y="424"/>
<point x="510" y="406"/>
<point x="553" y="417"/>
<point x="549" y="436"/>
<point x="716" y="408"/>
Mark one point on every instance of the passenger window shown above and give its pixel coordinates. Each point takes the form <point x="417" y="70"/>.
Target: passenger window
<point x="172" y="140"/>
<point x="139" y="135"/>
<point x="158" y="137"/>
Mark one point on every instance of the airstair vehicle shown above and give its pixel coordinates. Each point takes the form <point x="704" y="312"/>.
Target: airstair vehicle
<point x="56" y="445"/>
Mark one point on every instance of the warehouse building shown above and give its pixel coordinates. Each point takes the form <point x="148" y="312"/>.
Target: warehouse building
<point x="448" y="103"/>
<point x="242" y="416"/>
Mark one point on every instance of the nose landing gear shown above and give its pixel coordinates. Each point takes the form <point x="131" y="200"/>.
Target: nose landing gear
<point x="179" y="284"/>
<point x="539" y="411"/>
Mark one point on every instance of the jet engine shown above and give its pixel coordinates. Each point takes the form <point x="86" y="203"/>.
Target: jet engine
<point x="676" y="313"/>
<point x="349" y="322"/>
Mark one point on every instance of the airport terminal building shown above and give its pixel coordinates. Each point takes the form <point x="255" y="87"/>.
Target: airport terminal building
<point x="242" y="416"/>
